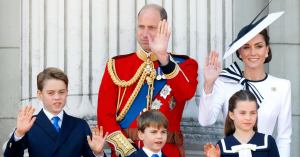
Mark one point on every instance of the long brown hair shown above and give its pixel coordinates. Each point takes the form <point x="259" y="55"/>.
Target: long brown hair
<point x="242" y="95"/>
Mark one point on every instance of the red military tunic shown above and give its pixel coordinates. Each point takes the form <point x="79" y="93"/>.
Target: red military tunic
<point x="180" y="87"/>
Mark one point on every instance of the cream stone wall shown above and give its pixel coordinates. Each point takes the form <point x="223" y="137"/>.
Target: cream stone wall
<point x="79" y="36"/>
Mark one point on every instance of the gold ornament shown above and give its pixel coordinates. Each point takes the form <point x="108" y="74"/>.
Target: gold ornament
<point x="146" y="71"/>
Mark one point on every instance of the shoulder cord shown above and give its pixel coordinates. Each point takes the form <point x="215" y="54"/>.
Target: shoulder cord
<point x="146" y="70"/>
<point x="113" y="74"/>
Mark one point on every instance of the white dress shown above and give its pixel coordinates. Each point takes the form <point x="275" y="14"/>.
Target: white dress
<point x="275" y="107"/>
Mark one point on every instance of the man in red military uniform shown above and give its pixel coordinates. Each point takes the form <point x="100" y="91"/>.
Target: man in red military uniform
<point x="150" y="78"/>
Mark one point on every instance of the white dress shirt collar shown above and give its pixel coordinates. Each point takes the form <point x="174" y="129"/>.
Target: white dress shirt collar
<point x="50" y="116"/>
<point x="150" y="153"/>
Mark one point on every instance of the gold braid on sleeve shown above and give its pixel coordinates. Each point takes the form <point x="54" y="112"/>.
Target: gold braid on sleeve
<point x="120" y="143"/>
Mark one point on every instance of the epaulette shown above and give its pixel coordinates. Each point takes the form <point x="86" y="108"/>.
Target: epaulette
<point x="179" y="55"/>
<point x="123" y="56"/>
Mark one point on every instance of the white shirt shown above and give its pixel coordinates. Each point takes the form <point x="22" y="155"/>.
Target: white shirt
<point x="150" y="153"/>
<point x="50" y="116"/>
<point x="275" y="107"/>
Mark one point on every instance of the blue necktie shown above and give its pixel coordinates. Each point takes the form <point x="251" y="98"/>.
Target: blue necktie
<point x="154" y="155"/>
<point x="55" y="123"/>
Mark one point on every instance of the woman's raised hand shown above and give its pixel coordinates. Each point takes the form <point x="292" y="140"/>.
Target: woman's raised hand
<point x="212" y="69"/>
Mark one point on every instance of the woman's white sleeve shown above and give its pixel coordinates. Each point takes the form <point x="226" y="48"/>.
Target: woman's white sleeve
<point x="284" y="128"/>
<point x="211" y="104"/>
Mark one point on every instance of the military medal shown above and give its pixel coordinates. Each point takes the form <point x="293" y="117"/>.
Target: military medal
<point x="165" y="91"/>
<point x="158" y="77"/>
<point x="156" y="104"/>
<point x="172" y="103"/>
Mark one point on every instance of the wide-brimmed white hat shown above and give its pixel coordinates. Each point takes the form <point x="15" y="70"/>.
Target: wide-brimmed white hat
<point x="250" y="31"/>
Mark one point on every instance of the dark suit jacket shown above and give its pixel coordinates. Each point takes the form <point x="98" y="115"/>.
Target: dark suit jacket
<point x="141" y="153"/>
<point x="42" y="140"/>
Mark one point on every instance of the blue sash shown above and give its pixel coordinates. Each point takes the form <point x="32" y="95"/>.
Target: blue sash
<point x="140" y="101"/>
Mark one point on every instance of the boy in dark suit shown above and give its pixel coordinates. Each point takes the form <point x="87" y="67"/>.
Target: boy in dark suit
<point x="52" y="132"/>
<point x="152" y="130"/>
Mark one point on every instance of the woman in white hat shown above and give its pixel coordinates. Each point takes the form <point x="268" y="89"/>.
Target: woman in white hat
<point x="273" y="94"/>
